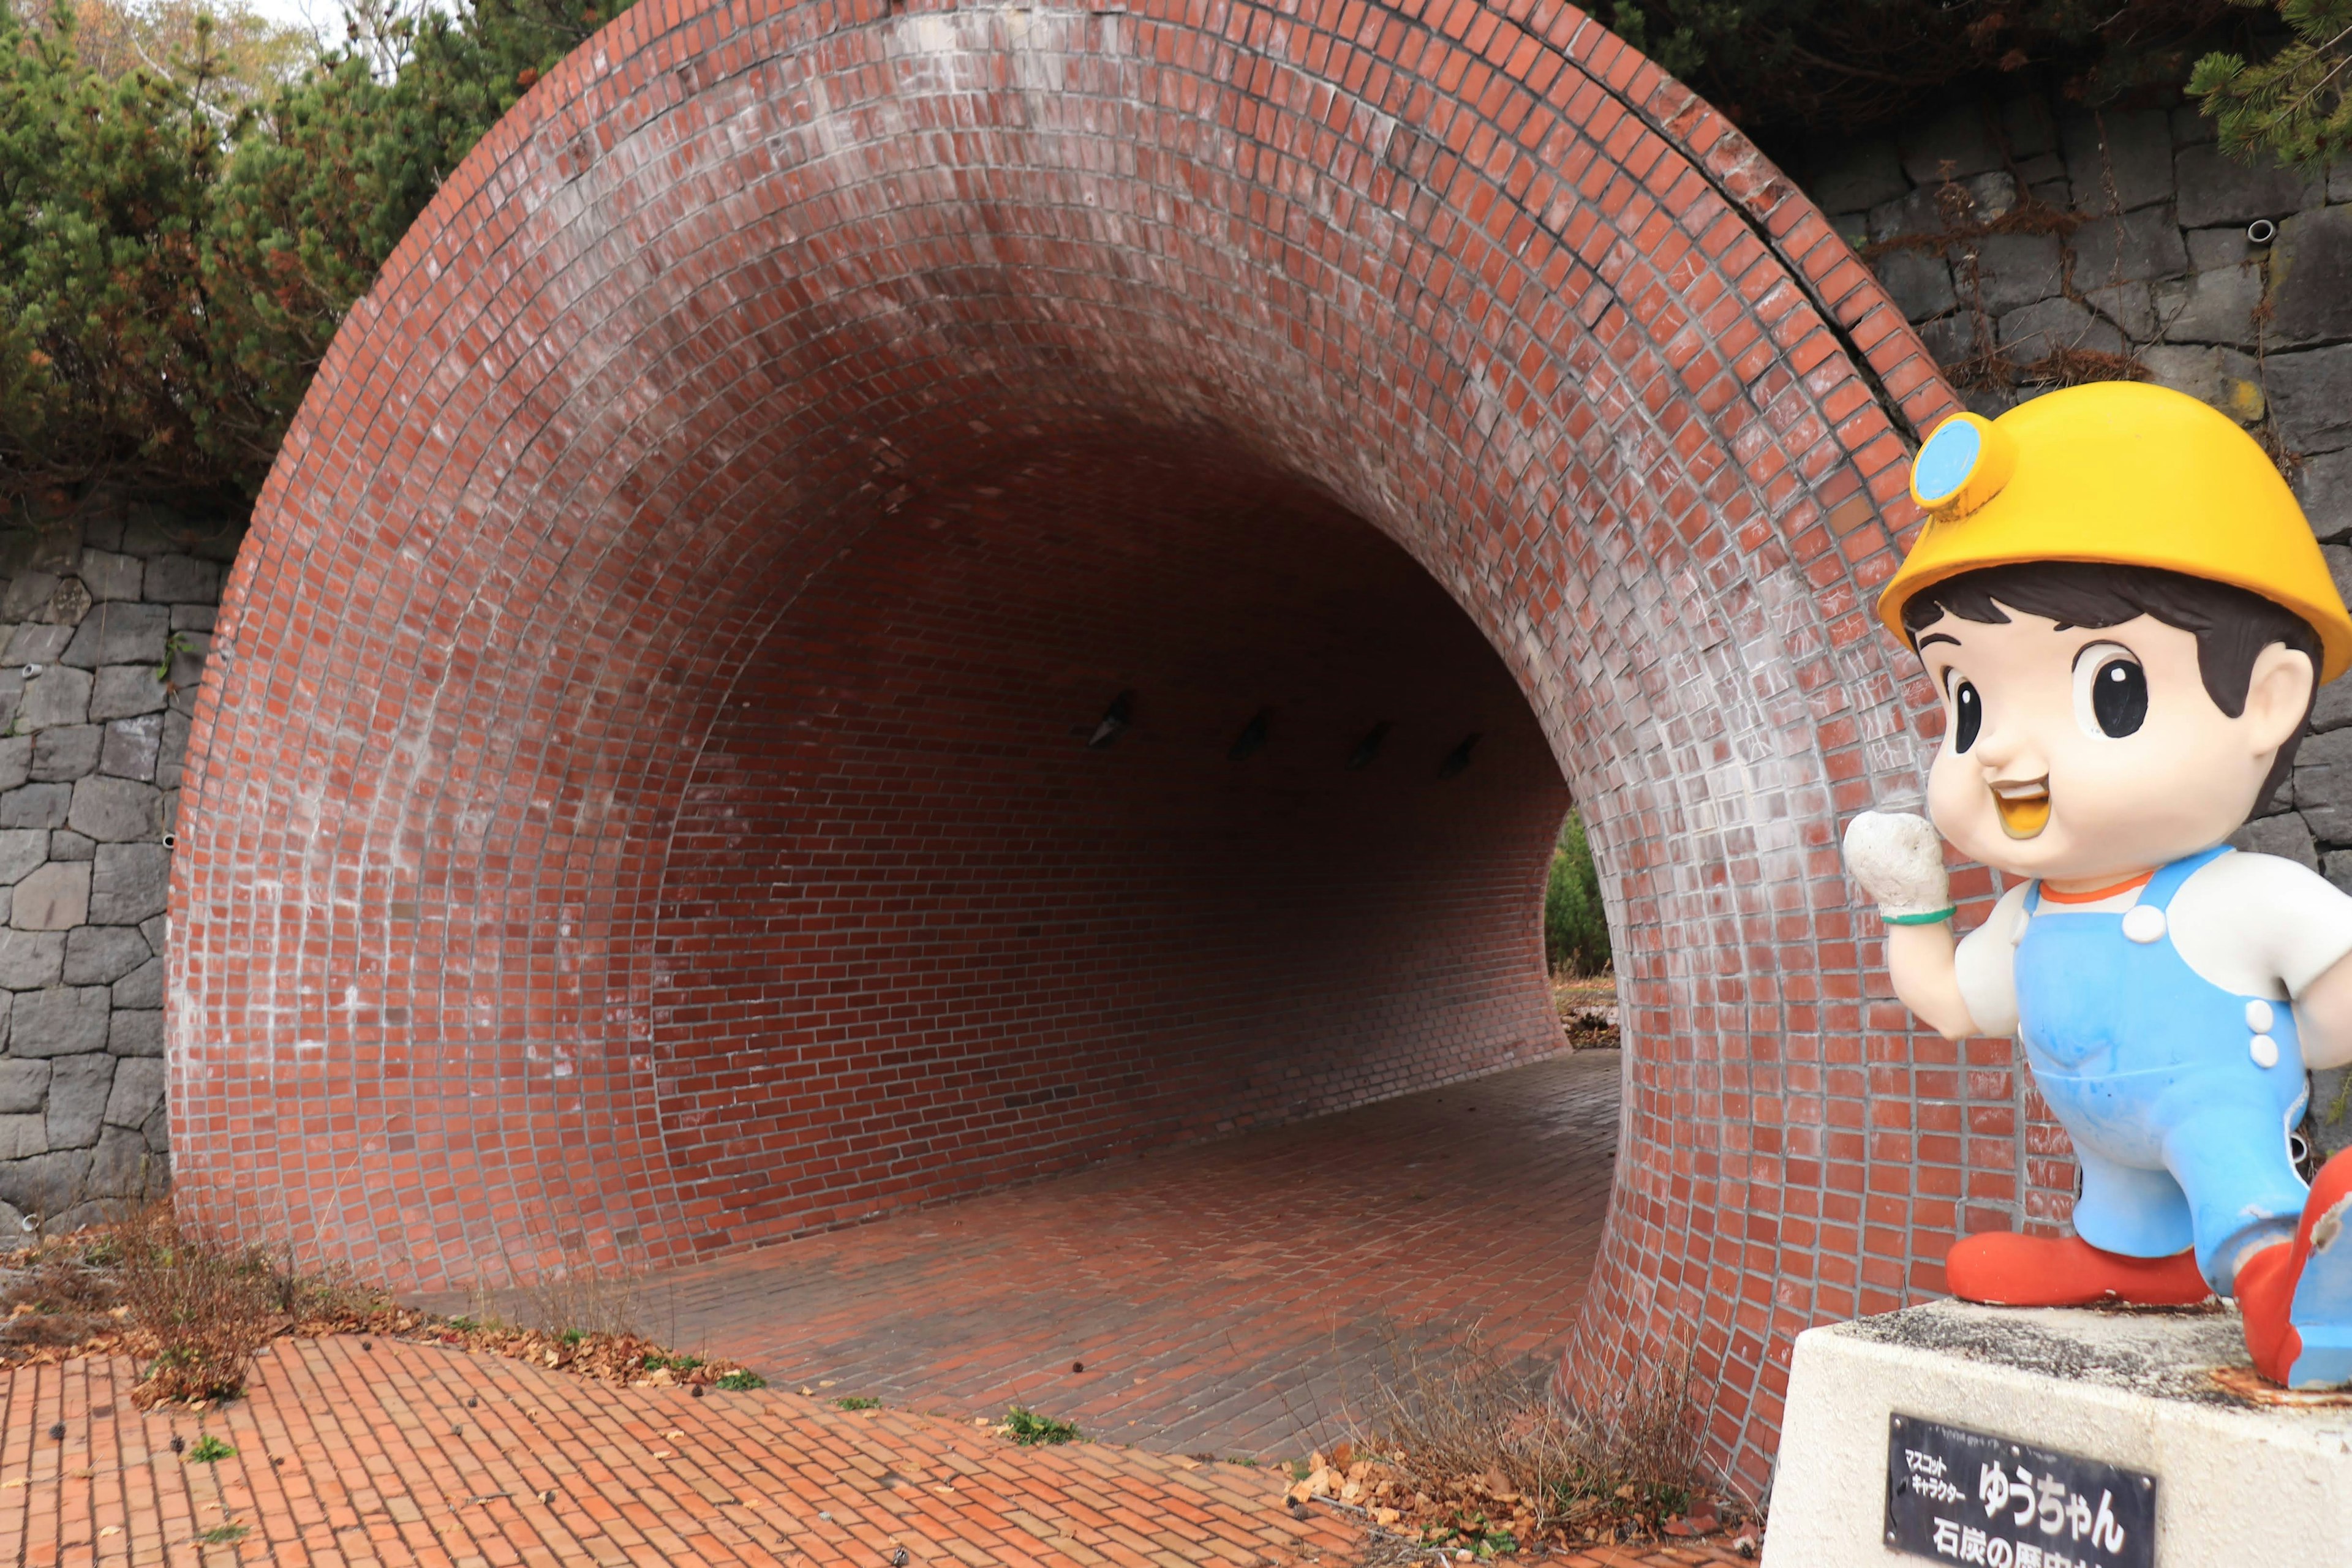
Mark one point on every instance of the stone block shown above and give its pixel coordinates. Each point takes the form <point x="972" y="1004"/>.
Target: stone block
<point x="2336" y="865"/>
<point x="127" y="690"/>
<point x="36" y="805"/>
<point x="1951" y="339"/>
<point x="2131" y="306"/>
<point x="79" y="1090"/>
<point x="121" y="1166"/>
<point x="2143" y="246"/>
<point x="193" y="618"/>
<point x="15" y="760"/>
<point x="12" y="697"/>
<point x="65" y="752"/>
<point x="58" y="1020"/>
<point x="2040" y="330"/>
<point x="182" y="580"/>
<point x="27" y="594"/>
<point x="2215" y="306"/>
<point x="218" y="541"/>
<point x="142" y="987"/>
<point x="68" y="602"/>
<point x="2311" y="398"/>
<point x="2225" y="378"/>
<point x="1979" y="199"/>
<point x="34" y="643"/>
<point x="136" y="1033"/>
<point x="131" y="882"/>
<point x="167" y="812"/>
<point x="65" y="844"/>
<point x="24" y="1086"/>
<point x="157" y="929"/>
<point x="22" y="1136"/>
<point x="1855" y="173"/>
<point x="2323" y="484"/>
<point x="131" y="746"/>
<point x="138" y="1090"/>
<point x="101" y="955"/>
<point x="1918" y="281"/>
<point x="111" y="576"/>
<point x="2191" y="125"/>
<point x="2235" y="1481"/>
<point x="2284" y="836"/>
<point x="120" y="634"/>
<point x="55" y="897"/>
<point x="2014" y="269"/>
<point x="2215" y="189"/>
<point x="2323" y="785"/>
<point x="114" y="811"/>
<point x="2311" y="278"/>
<point x="30" y="960"/>
<point x="47" y="1184"/>
<point x="21" y="849"/>
<point x="1953" y="144"/>
<point x="2119" y="160"/>
<point x="59" y="695"/>
<point x="2026" y="127"/>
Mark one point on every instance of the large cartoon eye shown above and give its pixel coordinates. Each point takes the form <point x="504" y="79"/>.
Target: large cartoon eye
<point x="1967" y="715"/>
<point x="2110" y="692"/>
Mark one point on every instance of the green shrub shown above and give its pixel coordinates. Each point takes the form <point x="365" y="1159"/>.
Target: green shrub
<point x="1576" y="929"/>
<point x="1030" y="1429"/>
<point x="179" y="241"/>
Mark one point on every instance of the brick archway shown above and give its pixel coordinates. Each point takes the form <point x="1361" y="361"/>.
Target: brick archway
<point x="748" y="489"/>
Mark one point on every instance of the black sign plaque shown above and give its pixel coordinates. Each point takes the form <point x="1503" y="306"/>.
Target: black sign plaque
<point x="1956" y="1496"/>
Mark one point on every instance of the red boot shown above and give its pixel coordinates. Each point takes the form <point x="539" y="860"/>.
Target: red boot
<point x="2296" y="1296"/>
<point x="2005" y="1269"/>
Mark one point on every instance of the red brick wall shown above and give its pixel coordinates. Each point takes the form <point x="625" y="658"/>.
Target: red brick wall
<point x="505" y="929"/>
<point x="915" y="935"/>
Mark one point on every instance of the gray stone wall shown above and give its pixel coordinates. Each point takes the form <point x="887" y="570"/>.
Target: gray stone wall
<point x="105" y="619"/>
<point x="2032" y="243"/>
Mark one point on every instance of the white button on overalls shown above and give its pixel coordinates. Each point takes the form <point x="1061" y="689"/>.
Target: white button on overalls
<point x="2143" y="923"/>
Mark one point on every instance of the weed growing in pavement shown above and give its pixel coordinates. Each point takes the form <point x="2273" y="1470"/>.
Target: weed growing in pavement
<point x="1030" y="1429"/>
<point x="585" y="1299"/>
<point x="195" y="1313"/>
<point x="221" y="1534"/>
<point x="1466" y="1451"/>
<point x="858" y="1402"/>
<point x="210" y="1450"/>
<point x="202" y="1309"/>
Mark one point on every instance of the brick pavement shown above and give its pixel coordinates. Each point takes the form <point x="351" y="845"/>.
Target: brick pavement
<point x="1226" y="1297"/>
<point x="351" y="1451"/>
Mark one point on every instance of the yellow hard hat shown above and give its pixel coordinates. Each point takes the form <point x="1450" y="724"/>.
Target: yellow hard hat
<point x="2125" y="473"/>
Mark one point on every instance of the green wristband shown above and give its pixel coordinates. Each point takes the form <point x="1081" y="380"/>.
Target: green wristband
<point x="1946" y="912"/>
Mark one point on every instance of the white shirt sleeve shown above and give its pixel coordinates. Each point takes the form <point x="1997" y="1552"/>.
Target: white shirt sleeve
<point x="1986" y="964"/>
<point x="2259" y="925"/>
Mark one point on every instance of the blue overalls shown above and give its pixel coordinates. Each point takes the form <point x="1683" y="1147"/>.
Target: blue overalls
<point x="2178" y="1095"/>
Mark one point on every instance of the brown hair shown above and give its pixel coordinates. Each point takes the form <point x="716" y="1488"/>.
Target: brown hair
<point x="2232" y="626"/>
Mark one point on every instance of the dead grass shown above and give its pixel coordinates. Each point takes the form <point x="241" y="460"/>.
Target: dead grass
<point x="195" y="1313"/>
<point x="1455" y="1448"/>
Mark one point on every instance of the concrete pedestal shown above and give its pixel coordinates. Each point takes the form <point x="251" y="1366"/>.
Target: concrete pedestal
<point x="2241" y="1478"/>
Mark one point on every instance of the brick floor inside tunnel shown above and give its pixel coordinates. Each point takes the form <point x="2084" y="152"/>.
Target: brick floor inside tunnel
<point x="1229" y="1297"/>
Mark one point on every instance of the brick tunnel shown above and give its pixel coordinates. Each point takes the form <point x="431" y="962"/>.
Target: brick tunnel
<point x="883" y="600"/>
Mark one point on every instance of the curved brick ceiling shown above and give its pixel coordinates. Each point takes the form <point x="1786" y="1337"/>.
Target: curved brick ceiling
<point x="642" y="804"/>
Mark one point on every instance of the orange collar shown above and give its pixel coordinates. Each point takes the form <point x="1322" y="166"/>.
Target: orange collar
<point x="2052" y="895"/>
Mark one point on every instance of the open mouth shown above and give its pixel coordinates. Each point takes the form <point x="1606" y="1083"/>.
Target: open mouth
<point x="2024" y="805"/>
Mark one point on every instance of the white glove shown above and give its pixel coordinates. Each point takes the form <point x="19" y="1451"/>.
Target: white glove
<point x="1899" y="861"/>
